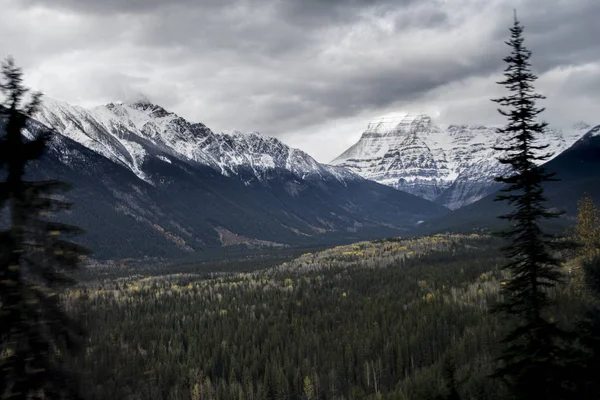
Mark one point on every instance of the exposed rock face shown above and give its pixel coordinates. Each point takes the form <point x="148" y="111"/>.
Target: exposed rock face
<point x="130" y="134"/>
<point x="146" y="182"/>
<point x="453" y="165"/>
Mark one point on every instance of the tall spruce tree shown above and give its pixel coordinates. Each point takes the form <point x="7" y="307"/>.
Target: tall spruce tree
<point x="450" y="382"/>
<point x="531" y="363"/>
<point x="35" y="260"/>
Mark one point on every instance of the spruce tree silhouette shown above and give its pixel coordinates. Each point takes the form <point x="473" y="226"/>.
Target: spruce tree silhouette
<point x="35" y="260"/>
<point x="533" y="360"/>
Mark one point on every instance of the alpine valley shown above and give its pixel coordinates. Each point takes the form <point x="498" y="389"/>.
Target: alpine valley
<point x="453" y="165"/>
<point x="149" y="183"/>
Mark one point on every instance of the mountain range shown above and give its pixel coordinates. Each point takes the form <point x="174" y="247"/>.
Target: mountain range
<point x="452" y="165"/>
<point x="577" y="171"/>
<point x="149" y="183"/>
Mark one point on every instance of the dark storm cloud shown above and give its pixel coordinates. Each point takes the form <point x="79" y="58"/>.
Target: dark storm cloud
<point x="323" y="12"/>
<point x="564" y="33"/>
<point x="126" y="6"/>
<point x="302" y="10"/>
<point x="285" y="66"/>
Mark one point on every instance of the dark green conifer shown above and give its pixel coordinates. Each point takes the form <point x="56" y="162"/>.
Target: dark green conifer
<point x="35" y="258"/>
<point x="533" y="357"/>
<point x="449" y="374"/>
<point x="587" y="384"/>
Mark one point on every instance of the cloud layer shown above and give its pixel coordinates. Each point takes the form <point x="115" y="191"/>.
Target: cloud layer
<point x="311" y="72"/>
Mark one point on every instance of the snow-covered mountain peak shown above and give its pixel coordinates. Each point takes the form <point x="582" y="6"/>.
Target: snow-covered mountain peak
<point x="398" y="124"/>
<point x="452" y="164"/>
<point x="131" y="134"/>
<point x="151" y="110"/>
<point x="139" y="113"/>
<point x="595" y="131"/>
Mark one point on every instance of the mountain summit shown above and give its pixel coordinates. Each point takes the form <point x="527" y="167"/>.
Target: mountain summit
<point x="577" y="170"/>
<point x="130" y="134"/>
<point x="453" y="165"/>
<point x="148" y="182"/>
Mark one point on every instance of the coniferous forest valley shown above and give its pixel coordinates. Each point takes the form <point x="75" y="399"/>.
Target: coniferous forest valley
<point x="147" y="257"/>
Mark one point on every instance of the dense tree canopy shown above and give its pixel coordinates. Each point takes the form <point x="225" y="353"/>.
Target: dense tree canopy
<point x="34" y="260"/>
<point x="371" y="320"/>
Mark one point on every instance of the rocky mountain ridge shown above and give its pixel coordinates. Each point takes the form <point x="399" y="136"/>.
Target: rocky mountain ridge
<point x="453" y="165"/>
<point x="129" y="134"/>
<point x="146" y="182"/>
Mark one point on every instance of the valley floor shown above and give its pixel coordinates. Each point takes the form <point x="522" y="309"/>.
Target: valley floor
<point x="373" y="320"/>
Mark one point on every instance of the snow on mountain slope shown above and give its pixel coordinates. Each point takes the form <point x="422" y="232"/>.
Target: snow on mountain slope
<point x="595" y="131"/>
<point x="195" y="184"/>
<point x="129" y="134"/>
<point x="453" y="165"/>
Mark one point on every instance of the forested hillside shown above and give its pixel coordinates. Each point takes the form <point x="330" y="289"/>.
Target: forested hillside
<point x="374" y="320"/>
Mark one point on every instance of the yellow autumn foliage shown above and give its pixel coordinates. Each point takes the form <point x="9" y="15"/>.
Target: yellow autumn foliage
<point x="587" y="230"/>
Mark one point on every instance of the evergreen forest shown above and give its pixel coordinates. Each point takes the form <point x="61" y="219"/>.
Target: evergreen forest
<point x="380" y="320"/>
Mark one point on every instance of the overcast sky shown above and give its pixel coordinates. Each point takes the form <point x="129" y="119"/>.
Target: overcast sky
<point x="310" y="72"/>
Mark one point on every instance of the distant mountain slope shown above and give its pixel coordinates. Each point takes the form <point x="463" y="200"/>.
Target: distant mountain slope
<point x="149" y="183"/>
<point x="578" y="169"/>
<point x="453" y="165"/>
<point x="131" y="134"/>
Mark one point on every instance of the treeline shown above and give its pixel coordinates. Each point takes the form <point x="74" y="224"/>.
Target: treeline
<point x="205" y="265"/>
<point x="355" y="322"/>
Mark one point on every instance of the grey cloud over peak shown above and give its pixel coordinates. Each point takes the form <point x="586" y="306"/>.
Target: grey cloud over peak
<point x="305" y="71"/>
